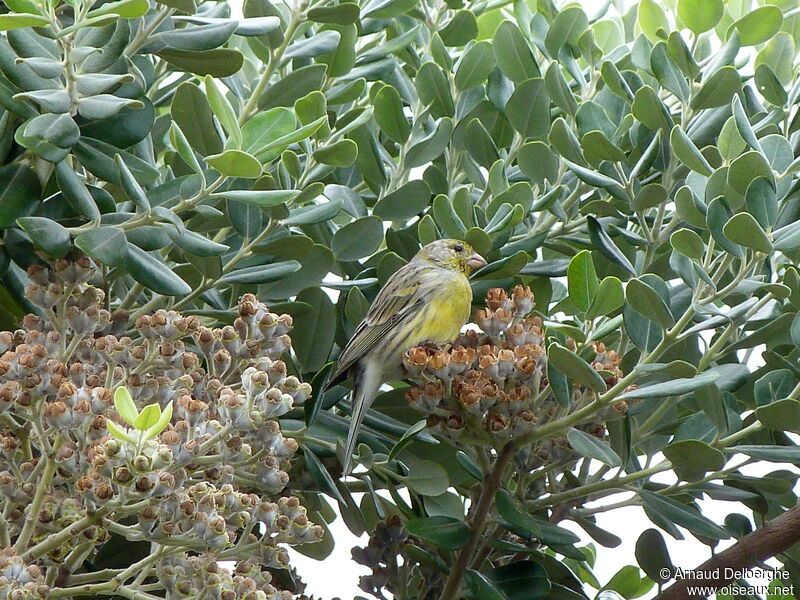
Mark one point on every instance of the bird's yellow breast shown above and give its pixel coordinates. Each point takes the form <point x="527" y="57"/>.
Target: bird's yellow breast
<point x="446" y="312"/>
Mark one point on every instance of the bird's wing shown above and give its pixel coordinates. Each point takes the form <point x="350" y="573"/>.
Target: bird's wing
<point x="401" y="296"/>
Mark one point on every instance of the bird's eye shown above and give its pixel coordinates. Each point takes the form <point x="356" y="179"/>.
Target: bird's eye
<point x="458" y="248"/>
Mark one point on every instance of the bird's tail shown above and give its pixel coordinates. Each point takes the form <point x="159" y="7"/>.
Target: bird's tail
<point x="367" y="383"/>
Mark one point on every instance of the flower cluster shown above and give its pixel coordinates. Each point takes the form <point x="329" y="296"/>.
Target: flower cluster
<point x="392" y="555"/>
<point x="493" y="385"/>
<point x="195" y="487"/>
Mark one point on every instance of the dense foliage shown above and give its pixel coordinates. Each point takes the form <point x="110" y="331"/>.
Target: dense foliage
<point x="632" y="169"/>
<point x="134" y="458"/>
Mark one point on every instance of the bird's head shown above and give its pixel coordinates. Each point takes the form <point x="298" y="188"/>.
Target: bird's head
<point x="452" y="254"/>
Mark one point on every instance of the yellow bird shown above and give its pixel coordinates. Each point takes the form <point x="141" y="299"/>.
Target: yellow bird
<point x="427" y="300"/>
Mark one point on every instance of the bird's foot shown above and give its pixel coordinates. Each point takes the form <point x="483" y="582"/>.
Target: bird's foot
<point x="433" y="347"/>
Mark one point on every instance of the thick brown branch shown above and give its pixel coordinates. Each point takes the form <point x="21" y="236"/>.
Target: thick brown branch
<point x="490" y="486"/>
<point x="771" y="539"/>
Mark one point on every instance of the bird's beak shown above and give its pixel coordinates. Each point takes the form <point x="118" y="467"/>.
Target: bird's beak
<point x="476" y="261"/>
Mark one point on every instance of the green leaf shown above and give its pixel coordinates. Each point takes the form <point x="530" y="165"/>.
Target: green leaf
<point x="778" y="59"/>
<point x="521" y="580"/>
<point x="528" y="526"/>
<point x="196" y="244"/>
<point x="107" y="245"/>
<point x="475" y="65"/>
<point x="127" y="9"/>
<point x="154" y="274"/>
<point x="460" y="30"/>
<point x="482" y="588"/>
<point x="339" y="154"/>
<point x="262" y="198"/>
<point x="314" y="404"/>
<point x="528" y="109"/>
<point x="688" y="153"/>
<point x="448" y="504"/>
<point x="627" y="583"/>
<point x="650" y="110"/>
<point x="582" y="280"/>
<point x="568" y="26"/>
<point x="688" y="243"/>
<point x="759" y="25"/>
<point x="126" y="407"/>
<point x="297" y="84"/>
<point x="646" y="301"/>
<point x="700" y="15"/>
<point x="682" y="515"/>
<point x="427" y="478"/>
<point x="769" y="85"/>
<point x="408" y="437"/>
<point x="181" y="144"/>
<point x="588" y="445"/>
<point x="147" y="417"/>
<point x="602" y="241"/>
<point x="674" y="387"/>
<point x="609" y="298"/>
<point x="160" y="424"/>
<point x="652" y="20"/>
<point x="274" y="148"/>
<point x="743" y="125"/>
<point x="405" y="202"/>
<point x="20" y="20"/>
<point x="744" y="230"/>
<point x="262" y="273"/>
<point x="313" y="335"/>
<point x="314" y="213"/>
<point x="781" y="454"/>
<point x="235" y="163"/>
<point x="50" y="136"/>
<point x="99" y="158"/>
<point x="446" y="532"/>
<point x="192" y="113"/>
<point x="650" y="196"/>
<point x="597" y="148"/>
<point x="74" y="190"/>
<point x="469" y="465"/>
<point x="133" y="190"/>
<point x="47" y="234"/>
<point x="595" y="178"/>
<point x="668" y="73"/>
<point x="558" y="89"/>
<point x="223" y="111"/>
<point x="358" y="239"/>
<point x="220" y="62"/>
<point x="434" y="90"/>
<point x="783" y="415"/>
<point x="574" y="367"/>
<point x="320" y="43"/>
<point x="345" y="13"/>
<point x="321" y="475"/>
<point x="718" y="89"/>
<point x="692" y="459"/>
<point x="389" y="114"/>
<point x="431" y="148"/>
<point x="513" y="55"/>
<point x="120" y="433"/>
<point x="717" y="216"/>
<point x="537" y="161"/>
<point x="652" y="555"/>
<point x="505" y="267"/>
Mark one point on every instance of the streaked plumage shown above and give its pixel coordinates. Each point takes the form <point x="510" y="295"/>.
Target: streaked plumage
<point x="426" y="300"/>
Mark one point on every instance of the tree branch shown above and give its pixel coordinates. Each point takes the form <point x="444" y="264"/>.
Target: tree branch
<point x="490" y="486"/>
<point x="771" y="539"/>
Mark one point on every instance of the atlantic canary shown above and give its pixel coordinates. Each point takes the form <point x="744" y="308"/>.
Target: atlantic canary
<point x="427" y="300"/>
